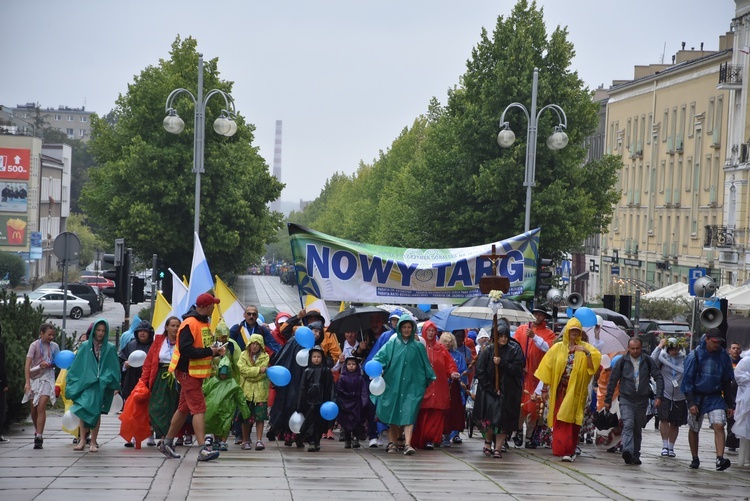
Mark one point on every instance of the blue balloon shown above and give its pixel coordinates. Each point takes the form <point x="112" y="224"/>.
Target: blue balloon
<point x="373" y="368"/>
<point x="615" y="360"/>
<point x="64" y="359"/>
<point x="329" y="410"/>
<point x="305" y="337"/>
<point x="424" y="307"/>
<point x="569" y="311"/>
<point x="261" y="318"/>
<point x="278" y="375"/>
<point x="586" y="316"/>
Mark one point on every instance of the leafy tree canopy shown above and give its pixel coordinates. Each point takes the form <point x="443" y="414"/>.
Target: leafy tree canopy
<point x="445" y="182"/>
<point x="143" y="186"/>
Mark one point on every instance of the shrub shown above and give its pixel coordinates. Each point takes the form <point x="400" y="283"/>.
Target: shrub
<point x="20" y="327"/>
<point x="665" y="309"/>
<point x="12" y="264"/>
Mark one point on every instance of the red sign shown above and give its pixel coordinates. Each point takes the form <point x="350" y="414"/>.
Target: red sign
<point x="14" y="163"/>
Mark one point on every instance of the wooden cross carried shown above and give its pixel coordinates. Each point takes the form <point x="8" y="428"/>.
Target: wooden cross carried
<point x="487" y="284"/>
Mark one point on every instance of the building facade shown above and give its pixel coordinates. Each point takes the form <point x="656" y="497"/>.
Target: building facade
<point x="669" y="125"/>
<point x="75" y="123"/>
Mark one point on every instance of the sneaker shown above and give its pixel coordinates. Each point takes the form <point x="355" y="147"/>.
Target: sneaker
<point x="569" y="459"/>
<point x="313" y="448"/>
<point x="637" y="460"/>
<point x="530" y="444"/>
<point x="130" y="444"/>
<point x="178" y="441"/>
<point x="445" y="443"/>
<point x="188" y="440"/>
<point x="347" y="444"/>
<point x="259" y="446"/>
<point x="665" y="452"/>
<point x="672" y="454"/>
<point x="38" y="442"/>
<point x="695" y="463"/>
<point x="237" y="440"/>
<point x="206" y="455"/>
<point x="223" y="446"/>
<point x="518" y="440"/>
<point x="627" y="456"/>
<point x="168" y="451"/>
<point x="578" y="451"/>
<point x="429" y="446"/>
<point x="3" y="440"/>
<point x="150" y="441"/>
<point x="722" y="464"/>
<point x="457" y="439"/>
<point x="355" y="443"/>
<point x="373" y="443"/>
<point x="209" y="444"/>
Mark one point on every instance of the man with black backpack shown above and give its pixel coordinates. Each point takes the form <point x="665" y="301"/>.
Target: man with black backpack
<point x="634" y="372"/>
<point x="707" y="385"/>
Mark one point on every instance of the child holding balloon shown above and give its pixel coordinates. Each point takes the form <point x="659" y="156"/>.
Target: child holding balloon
<point x="352" y="397"/>
<point x="253" y="365"/>
<point x="40" y="379"/>
<point x="315" y="391"/>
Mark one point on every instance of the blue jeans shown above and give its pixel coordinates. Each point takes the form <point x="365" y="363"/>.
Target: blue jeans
<point x="633" y="414"/>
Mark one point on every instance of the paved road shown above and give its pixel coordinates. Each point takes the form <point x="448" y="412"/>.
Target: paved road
<point x="280" y="473"/>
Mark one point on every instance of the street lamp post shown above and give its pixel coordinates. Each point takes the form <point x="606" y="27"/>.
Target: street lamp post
<point x="557" y="141"/>
<point x="224" y="125"/>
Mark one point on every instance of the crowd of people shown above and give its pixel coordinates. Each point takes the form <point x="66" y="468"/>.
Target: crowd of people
<point x="524" y="385"/>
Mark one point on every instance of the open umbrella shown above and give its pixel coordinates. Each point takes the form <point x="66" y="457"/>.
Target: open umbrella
<point x="416" y="313"/>
<point x="445" y="320"/>
<point x="478" y="308"/>
<point x="614" y="338"/>
<point x="614" y="316"/>
<point x="354" y="319"/>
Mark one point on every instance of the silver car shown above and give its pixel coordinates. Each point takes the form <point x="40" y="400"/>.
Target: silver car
<point x="52" y="302"/>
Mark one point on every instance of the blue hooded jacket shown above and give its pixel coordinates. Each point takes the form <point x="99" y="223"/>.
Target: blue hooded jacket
<point x="708" y="378"/>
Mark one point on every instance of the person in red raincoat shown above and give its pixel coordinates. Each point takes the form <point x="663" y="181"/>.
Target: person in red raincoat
<point x="535" y="339"/>
<point x="428" y="430"/>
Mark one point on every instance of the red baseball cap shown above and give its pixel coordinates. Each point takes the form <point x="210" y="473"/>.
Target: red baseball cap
<point x="206" y="299"/>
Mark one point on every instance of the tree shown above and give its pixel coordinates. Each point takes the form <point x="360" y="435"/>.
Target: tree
<point x="13" y="265"/>
<point x="90" y="243"/>
<point x="143" y="187"/>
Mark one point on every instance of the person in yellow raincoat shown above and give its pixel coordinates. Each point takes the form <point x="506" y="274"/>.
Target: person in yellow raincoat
<point x="566" y="370"/>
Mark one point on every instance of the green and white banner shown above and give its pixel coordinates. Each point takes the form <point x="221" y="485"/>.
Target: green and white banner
<point x="335" y="269"/>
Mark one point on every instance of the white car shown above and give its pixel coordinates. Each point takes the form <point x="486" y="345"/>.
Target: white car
<point x="52" y="303"/>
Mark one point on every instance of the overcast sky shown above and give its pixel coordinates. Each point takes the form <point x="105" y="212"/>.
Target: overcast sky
<point x="345" y="76"/>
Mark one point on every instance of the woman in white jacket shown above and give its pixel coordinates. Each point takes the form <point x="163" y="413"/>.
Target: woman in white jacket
<point x="741" y="426"/>
<point x="673" y="409"/>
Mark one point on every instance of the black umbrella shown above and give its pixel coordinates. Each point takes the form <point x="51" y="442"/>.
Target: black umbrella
<point x="354" y="319"/>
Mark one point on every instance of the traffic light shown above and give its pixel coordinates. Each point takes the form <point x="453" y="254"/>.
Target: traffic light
<point x="137" y="295"/>
<point x="111" y="272"/>
<point x="161" y="270"/>
<point x="119" y="273"/>
<point x="543" y="275"/>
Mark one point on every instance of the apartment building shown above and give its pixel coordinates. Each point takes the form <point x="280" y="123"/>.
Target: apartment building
<point x="669" y="125"/>
<point x="26" y="118"/>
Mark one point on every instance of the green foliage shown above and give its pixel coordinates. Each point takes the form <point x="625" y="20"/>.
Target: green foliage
<point x="20" y="327"/>
<point x="143" y="186"/>
<point x="90" y="243"/>
<point x="14" y="265"/>
<point x="445" y="182"/>
<point x="665" y="309"/>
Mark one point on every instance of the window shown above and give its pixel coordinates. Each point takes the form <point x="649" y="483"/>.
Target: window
<point x="26" y="115"/>
<point x="718" y="117"/>
<point x="681" y="129"/>
<point x="70" y="133"/>
<point x="627" y="135"/>
<point x="84" y="119"/>
<point x="650" y="128"/>
<point x="664" y="124"/>
<point x="70" y="118"/>
<point x="662" y="175"/>
<point x="710" y="121"/>
<point x="58" y="117"/>
<point x="691" y="117"/>
<point x="81" y="133"/>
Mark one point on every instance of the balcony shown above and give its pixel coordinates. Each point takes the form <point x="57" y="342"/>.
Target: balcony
<point x="719" y="236"/>
<point x="730" y="76"/>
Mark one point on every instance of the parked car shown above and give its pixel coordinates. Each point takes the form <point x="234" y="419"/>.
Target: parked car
<point x="657" y="328"/>
<point x="84" y="291"/>
<point x="52" y="301"/>
<point x="98" y="282"/>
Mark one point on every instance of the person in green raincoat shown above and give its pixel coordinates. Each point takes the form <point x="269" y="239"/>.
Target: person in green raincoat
<point x="92" y="382"/>
<point x="407" y="373"/>
<point x="223" y="397"/>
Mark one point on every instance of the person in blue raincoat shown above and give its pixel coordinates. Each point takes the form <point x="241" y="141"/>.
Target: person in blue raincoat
<point x="407" y="373"/>
<point x="92" y="381"/>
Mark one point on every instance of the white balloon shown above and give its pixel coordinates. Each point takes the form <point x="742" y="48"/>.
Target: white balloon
<point x="303" y="356"/>
<point x="116" y="404"/>
<point x="377" y="386"/>
<point x="137" y="358"/>
<point x="606" y="362"/>
<point x="295" y="422"/>
<point x="70" y="421"/>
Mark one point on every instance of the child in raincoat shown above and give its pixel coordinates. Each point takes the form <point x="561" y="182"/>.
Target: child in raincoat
<point x="223" y="397"/>
<point x="352" y="395"/>
<point x="316" y="389"/>
<point x="255" y="384"/>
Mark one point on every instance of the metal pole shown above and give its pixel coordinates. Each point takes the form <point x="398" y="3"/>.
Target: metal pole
<point x="199" y="135"/>
<point x="531" y="149"/>
<point x="153" y="282"/>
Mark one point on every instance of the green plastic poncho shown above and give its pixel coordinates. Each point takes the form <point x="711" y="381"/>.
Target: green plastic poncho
<point x="223" y="397"/>
<point x="407" y="373"/>
<point x="91" y="383"/>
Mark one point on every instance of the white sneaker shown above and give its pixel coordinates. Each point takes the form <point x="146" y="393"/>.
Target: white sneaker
<point x="373" y="443"/>
<point x="150" y="441"/>
<point x="569" y="459"/>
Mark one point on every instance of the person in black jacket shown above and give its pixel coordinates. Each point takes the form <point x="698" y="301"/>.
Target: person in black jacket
<point x="499" y="409"/>
<point x="634" y="372"/>
<point x="316" y="389"/>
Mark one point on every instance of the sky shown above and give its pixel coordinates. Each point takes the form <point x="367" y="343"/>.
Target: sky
<point x="344" y="76"/>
